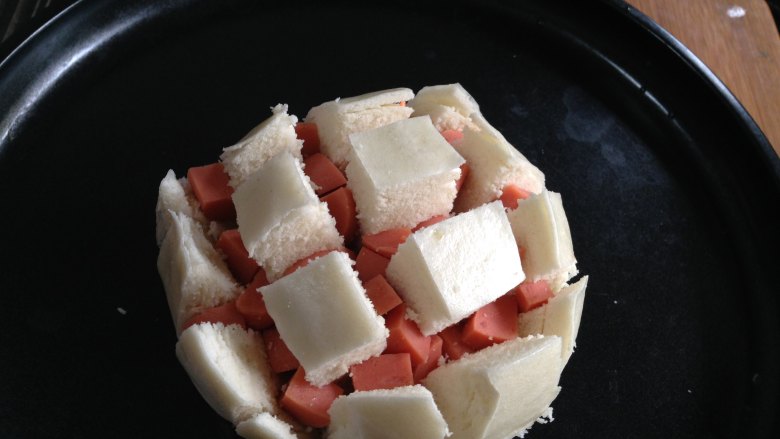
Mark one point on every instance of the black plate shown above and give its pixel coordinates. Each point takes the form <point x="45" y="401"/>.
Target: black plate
<point x="670" y="189"/>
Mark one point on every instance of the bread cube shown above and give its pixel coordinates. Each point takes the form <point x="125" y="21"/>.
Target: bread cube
<point x="402" y="412"/>
<point x="401" y="174"/>
<point x="265" y="426"/>
<point x="280" y="218"/>
<point x="540" y="226"/>
<point x="500" y="391"/>
<point x="337" y="119"/>
<point x="324" y="317"/>
<point x="559" y="316"/>
<point x="175" y="196"/>
<point x="272" y="136"/>
<point x="449" y="106"/>
<point x="448" y="270"/>
<point x="229" y="368"/>
<point x="493" y="163"/>
<point x="193" y="274"/>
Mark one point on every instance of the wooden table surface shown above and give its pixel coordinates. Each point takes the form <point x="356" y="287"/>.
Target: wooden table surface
<point x="738" y="41"/>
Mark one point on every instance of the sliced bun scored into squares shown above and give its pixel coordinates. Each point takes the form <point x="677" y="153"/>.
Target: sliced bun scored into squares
<point x="446" y="226"/>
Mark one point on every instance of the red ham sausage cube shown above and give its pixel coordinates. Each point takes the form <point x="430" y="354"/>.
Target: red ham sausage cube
<point x="241" y="265"/>
<point x="251" y="305"/>
<point x="405" y="336"/>
<point x="370" y="264"/>
<point x="323" y="173"/>
<point x="381" y="294"/>
<point x="512" y="194"/>
<point x="386" y="371"/>
<point x="434" y="354"/>
<point x="307" y="403"/>
<point x="532" y="294"/>
<point x="211" y="187"/>
<point x="464" y="173"/>
<point x="452" y="136"/>
<point x="279" y="356"/>
<point x="494" y="323"/>
<point x="310" y="135"/>
<point x="453" y="345"/>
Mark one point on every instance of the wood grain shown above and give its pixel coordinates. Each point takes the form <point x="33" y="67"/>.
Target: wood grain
<point x="738" y="41"/>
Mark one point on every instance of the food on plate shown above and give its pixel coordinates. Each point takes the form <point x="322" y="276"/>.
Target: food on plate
<point x="360" y="273"/>
<point x="273" y="136"/>
<point x="407" y="412"/>
<point x="309" y="403"/>
<point x="449" y="106"/>
<point x="532" y="294"/>
<point x="559" y="316"/>
<point x="494" y="323"/>
<point x="243" y="267"/>
<point x="211" y="187"/>
<point x="341" y="205"/>
<point x="279" y="216"/>
<point x="266" y="425"/>
<point x="228" y="366"/>
<point x="193" y="274"/>
<point x="493" y="161"/>
<point x="401" y="174"/>
<point x="175" y="196"/>
<point x="540" y="227"/>
<point x="381" y="294"/>
<point x="341" y="326"/>
<point x="339" y="118"/>
<point x="386" y="371"/>
<point x="509" y="386"/>
<point x="405" y="336"/>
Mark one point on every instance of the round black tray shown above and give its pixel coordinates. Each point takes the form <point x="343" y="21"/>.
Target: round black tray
<point x="670" y="189"/>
